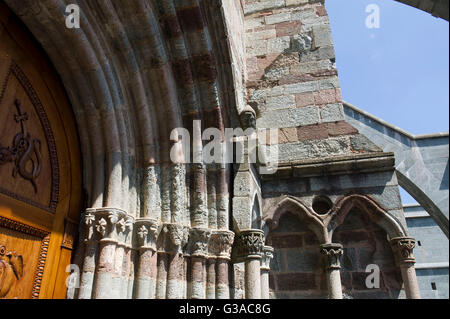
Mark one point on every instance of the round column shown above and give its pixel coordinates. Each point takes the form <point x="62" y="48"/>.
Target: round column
<point x="146" y="235"/>
<point x="265" y="269"/>
<point x="403" y="251"/>
<point x="332" y="254"/>
<point x="252" y="243"/>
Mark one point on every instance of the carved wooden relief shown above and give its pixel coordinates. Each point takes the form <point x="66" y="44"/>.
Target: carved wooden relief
<point x="23" y="251"/>
<point x="28" y="157"/>
<point x="40" y="170"/>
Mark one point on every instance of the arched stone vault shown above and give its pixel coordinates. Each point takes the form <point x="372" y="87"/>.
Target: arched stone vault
<point x="134" y="71"/>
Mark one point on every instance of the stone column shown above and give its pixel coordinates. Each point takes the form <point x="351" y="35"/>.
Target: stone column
<point x="122" y="258"/>
<point x="265" y="268"/>
<point x="251" y="244"/>
<point x="198" y="249"/>
<point x="106" y="227"/>
<point x="211" y="278"/>
<point x="176" y="240"/>
<point x="146" y="236"/>
<point x="403" y="251"/>
<point x="332" y="254"/>
<point x="221" y="243"/>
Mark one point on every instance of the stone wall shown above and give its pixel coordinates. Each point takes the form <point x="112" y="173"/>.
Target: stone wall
<point x="296" y="269"/>
<point x="366" y="244"/>
<point x="292" y="80"/>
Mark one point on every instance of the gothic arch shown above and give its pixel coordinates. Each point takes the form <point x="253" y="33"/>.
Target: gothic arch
<point x="376" y="213"/>
<point x="134" y="72"/>
<point x="289" y="204"/>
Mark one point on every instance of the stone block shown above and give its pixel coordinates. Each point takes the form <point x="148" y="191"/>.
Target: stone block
<point x="332" y="113"/>
<point x="278" y="45"/>
<point x="289" y="118"/>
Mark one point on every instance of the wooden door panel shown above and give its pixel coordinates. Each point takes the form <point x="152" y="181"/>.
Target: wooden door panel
<point x="40" y="170"/>
<point x="23" y="252"/>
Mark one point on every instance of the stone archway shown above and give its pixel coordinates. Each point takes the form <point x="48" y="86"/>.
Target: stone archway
<point x="134" y="72"/>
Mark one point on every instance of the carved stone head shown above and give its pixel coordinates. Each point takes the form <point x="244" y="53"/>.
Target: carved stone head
<point x="248" y="117"/>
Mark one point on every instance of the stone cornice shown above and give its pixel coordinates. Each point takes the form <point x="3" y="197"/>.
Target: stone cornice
<point x="338" y="165"/>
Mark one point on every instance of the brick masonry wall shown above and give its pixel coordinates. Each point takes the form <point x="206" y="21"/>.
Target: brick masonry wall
<point x="365" y="244"/>
<point x="296" y="269"/>
<point x="292" y="80"/>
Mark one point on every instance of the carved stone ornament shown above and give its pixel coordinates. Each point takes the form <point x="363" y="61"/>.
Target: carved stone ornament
<point x="147" y="231"/>
<point x="267" y="256"/>
<point x="332" y="253"/>
<point x="198" y="242"/>
<point x="251" y="243"/>
<point x="403" y="250"/>
<point x="11" y="270"/>
<point x="109" y="223"/>
<point x="221" y="244"/>
<point x="177" y="238"/>
<point x="248" y="118"/>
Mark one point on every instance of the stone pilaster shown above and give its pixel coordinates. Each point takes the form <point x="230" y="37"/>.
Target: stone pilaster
<point x="403" y="251"/>
<point x="265" y="269"/>
<point x="332" y="254"/>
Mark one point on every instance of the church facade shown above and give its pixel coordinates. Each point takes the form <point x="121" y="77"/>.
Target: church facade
<point x="108" y="190"/>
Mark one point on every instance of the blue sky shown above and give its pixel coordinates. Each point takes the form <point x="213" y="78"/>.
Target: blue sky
<point x="398" y="72"/>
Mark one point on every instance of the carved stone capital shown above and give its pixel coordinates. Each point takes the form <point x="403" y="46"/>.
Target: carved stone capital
<point x="198" y="242"/>
<point x="108" y="224"/>
<point x="332" y="254"/>
<point x="267" y="256"/>
<point x="250" y="243"/>
<point x="403" y="250"/>
<point x="89" y="224"/>
<point x="176" y="238"/>
<point x="220" y="244"/>
<point x="146" y="233"/>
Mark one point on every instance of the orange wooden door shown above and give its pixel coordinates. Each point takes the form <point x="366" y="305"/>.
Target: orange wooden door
<point x="40" y="173"/>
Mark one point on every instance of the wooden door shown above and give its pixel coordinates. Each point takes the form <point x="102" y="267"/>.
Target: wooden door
<point x="40" y="174"/>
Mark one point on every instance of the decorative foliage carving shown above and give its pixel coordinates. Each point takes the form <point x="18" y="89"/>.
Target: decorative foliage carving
<point x="332" y="253"/>
<point x="198" y="242"/>
<point x="403" y="250"/>
<point x="220" y="244"/>
<point x="101" y="226"/>
<point x="266" y="257"/>
<point x="11" y="270"/>
<point x="251" y="243"/>
<point x="177" y="236"/>
<point x="147" y="233"/>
